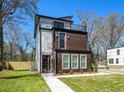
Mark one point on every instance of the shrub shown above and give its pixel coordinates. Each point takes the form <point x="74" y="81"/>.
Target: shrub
<point x="1" y="67"/>
<point x="95" y="68"/>
<point x="81" y="70"/>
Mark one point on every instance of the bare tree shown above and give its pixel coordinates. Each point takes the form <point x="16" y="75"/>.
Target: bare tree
<point x="103" y="32"/>
<point x="11" y="35"/>
<point x="14" y="12"/>
<point x="92" y="23"/>
<point x="18" y="10"/>
<point x="20" y="43"/>
<point x="111" y="34"/>
<point x="25" y="41"/>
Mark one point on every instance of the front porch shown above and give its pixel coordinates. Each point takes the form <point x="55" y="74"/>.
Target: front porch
<point x="46" y="64"/>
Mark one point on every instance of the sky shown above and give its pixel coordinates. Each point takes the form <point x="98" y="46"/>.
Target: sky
<point x="59" y="8"/>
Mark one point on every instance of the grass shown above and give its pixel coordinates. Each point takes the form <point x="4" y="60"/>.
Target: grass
<point x="105" y="83"/>
<point x="22" y="81"/>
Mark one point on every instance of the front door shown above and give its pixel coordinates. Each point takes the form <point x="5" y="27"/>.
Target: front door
<point x="46" y="63"/>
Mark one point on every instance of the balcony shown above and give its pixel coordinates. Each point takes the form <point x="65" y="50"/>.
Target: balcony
<point x="78" y="27"/>
<point x="75" y="27"/>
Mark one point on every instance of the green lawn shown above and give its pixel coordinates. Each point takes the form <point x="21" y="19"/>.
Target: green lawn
<point x="107" y="83"/>
<point x="22" y="81"/>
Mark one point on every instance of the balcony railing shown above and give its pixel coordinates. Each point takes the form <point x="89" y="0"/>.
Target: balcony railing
<point x="78" y="27"/>
<point x="73" y="26"/>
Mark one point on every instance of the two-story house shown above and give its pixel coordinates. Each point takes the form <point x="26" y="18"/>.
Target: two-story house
<point x="61" y="46"/>
<point x="115" y="58"/>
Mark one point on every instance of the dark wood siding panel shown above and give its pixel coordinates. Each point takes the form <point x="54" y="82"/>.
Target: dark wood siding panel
<point x="57" y="40"/>
<point x="79" y="61"/>
<point x="89" y="61"/>
<point x="59" y="63"/>
<point x="73" y="41"/>
<point x="77" y="41"/>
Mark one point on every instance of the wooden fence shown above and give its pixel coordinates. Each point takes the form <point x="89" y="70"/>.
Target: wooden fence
<point x="18" y="65"/>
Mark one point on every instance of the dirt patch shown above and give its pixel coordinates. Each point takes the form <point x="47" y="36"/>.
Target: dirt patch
<point x="2" y="73"/>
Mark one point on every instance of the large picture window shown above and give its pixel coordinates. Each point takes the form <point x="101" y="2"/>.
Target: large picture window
<point x="83" y="61"/>
<point x="65" y="61"/>
<point x="62" y="40"/>
<point x="74" y="61"/>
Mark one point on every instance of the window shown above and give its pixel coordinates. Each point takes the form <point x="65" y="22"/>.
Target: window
<point x="111" y="61"/>
<point x="74" y="61"/>
<point x="62" y="40"/>
<point x="58" y="25"/>
<point x="65" y="61"/>
<point x="118" y="52"/>
<point x="117" y="61"/>
<point x="83" y="61"/>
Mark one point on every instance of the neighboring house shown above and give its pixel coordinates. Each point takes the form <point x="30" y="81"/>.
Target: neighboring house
<point x="115" y="57"/>
<point x="60" y="45"/>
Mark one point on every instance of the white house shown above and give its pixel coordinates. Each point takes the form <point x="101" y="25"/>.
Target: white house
<point x="115" y="57"/>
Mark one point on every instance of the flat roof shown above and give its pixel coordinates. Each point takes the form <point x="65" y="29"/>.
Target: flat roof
<point x="115" y="48"/>
<point x="53" y="18"/>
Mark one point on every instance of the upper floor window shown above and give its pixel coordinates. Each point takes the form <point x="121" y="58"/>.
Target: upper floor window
<point x="58" y="24"/>
<point x="118" y="52"/>
<point x="62" y="40"/>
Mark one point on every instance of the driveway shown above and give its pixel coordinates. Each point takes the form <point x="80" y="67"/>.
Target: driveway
<point x="113" y="71"/>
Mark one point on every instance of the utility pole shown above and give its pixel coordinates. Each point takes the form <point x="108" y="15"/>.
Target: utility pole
<point x="1" y="34"/>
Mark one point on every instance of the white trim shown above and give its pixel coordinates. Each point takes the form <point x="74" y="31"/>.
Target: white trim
<point x="68" y="61"/>
<point x="85" y="61"/>
<point x="72" y="61"/>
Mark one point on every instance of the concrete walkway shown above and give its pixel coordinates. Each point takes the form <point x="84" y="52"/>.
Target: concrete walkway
<point x="55" y="84"/>
<point x="79" y="75"/>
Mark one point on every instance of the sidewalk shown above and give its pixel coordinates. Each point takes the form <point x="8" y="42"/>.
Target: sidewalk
<point x="78" y="75"/>
<point x="55" y="84"/>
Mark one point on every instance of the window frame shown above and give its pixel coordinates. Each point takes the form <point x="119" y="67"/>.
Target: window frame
<point x="68" y="61"/>
<point x="60" y="41"/>
<point x="111" y="63"/>
<point x="118" y="51"/>
<point x="72" y="61"/>
<point x="117" y="60"/>
<point x="85" y="61"/>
